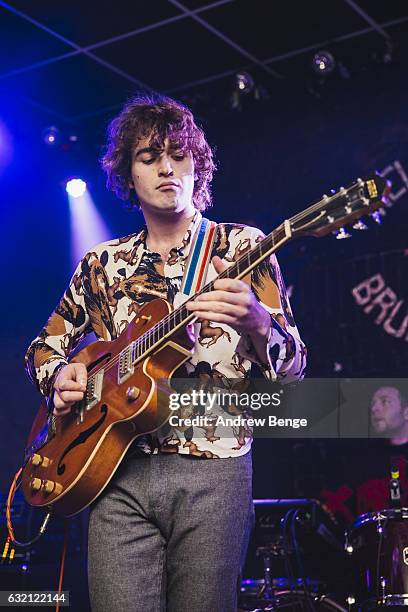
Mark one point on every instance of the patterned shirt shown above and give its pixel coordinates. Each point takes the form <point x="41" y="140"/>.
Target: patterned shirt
<point x="117" y="277"/>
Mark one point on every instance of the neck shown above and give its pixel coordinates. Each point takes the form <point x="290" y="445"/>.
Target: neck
<point x="399" y="441"/>
<point x="167" y="230"/>
<point x="402" y="436"/>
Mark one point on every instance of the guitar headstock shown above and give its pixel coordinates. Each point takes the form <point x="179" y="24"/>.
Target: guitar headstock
<point x="348" y="205"/>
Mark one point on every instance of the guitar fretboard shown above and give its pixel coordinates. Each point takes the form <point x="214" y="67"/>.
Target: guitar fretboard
<point x="181" y="316"/>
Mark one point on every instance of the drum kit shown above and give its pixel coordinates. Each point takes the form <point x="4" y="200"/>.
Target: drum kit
<point x="300" y="559"/>
<point x="377" y="544"/>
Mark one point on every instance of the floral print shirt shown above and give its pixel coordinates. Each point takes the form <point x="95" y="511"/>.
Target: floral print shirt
<point x="117" y="277"/>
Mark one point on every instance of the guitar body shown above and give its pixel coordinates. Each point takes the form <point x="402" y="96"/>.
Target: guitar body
<point x="70" y="459"/>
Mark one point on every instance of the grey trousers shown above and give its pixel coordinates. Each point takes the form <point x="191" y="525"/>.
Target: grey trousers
<point x="170" y="533"/>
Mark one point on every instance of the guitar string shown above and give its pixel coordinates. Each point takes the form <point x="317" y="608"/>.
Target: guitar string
<point x="297" y="217"/>
<point x="272" y="238"/>
<point x="160" y="325"/>
<point x="171" y="317"/>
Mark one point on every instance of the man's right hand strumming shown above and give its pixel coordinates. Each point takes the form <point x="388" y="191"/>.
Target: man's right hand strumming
<point x="69" y="387"/>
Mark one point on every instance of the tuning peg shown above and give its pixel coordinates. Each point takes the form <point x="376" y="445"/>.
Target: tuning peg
<point x="376" y="216"/>
<point x="360" y="225"/>
<point x="341" y="234"/>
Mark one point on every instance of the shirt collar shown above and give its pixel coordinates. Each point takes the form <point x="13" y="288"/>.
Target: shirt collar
<point x="183" y="248"/>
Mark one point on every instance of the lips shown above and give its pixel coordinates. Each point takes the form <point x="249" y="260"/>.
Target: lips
<point x="168" y="185"/>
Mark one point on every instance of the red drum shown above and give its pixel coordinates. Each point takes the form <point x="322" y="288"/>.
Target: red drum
<point x="378" y="547"/>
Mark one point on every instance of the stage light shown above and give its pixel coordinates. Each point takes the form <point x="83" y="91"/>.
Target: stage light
<point x="323" y="62"/>
<point x="245" y="83"/>
<point x="75" y="187"/>
<point x="51" y="135"/>
<point x="87" y="224"/>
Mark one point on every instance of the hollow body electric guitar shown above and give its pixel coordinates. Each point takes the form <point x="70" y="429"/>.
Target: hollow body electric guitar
<point x="70" y="459"/>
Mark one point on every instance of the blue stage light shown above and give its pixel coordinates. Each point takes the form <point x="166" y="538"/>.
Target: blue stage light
<point x="51" y="136"/>
<point x="76" y="187"/>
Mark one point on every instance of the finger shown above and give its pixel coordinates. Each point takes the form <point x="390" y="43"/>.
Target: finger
<point x="81" y="374"/>
<point x="218" y="264"/>
<point x="65" y="384"/>
<point x="230" y="309"/>
<point x="70" y="397"/>
<point x="190" y="331"/>
<point x="61" y="411"/>
<point x="231" y="284"/>
<point x="59" y="404"/>
<point x="218" y="317"/>
<point x="222" y="296"/>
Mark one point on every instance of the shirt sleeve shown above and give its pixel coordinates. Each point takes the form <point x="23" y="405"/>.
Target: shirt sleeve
<point x="67" y="325"/>
<point x="284" y="357"/>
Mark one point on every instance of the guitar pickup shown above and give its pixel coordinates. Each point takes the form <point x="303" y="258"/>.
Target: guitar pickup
<point x="126" y="367"/>
<point x="94" y="389"/>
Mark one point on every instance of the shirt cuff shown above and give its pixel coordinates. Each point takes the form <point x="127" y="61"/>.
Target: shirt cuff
<point x="247" y="350"/>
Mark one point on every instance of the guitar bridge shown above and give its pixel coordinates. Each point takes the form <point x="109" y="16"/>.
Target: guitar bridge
<point x="126" y="367"/>
<point x="94" y="389"/>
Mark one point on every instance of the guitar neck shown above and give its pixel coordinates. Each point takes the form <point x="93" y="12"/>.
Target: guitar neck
<point x="328" y="214"/>
<point x="238" y="270"/>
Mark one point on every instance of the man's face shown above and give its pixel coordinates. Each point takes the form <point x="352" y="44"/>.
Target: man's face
<point x="163" y="177"/>
<point x="387" y="413"/>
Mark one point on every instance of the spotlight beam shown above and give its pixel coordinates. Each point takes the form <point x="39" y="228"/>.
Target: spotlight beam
<point x="87" y="226"/>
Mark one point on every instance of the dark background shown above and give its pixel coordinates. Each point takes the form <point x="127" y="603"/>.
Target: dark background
<point x="295" y="136"/>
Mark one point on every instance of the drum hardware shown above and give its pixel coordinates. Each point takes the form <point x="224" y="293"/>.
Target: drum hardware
<point x="268" y="590"/>
<point x="377" y="547"/>
<point x="292" y="600"/>
<point x="291" y="538"/>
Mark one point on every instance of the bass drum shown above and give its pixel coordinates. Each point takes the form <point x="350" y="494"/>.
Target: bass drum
<point x="377" y="544"/>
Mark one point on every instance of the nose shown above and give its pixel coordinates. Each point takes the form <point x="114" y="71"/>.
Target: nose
<point x="165" y="166"/>
<point x="376" y="408"/>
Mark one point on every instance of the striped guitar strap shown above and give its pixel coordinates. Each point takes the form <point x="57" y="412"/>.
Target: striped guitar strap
<point x="199" y="258"/>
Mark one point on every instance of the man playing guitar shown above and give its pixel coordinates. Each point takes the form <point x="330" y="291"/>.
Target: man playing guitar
<point x="169" y="531"/>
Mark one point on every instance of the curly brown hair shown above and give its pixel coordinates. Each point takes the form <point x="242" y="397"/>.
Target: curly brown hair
<point x="161" y="117"/>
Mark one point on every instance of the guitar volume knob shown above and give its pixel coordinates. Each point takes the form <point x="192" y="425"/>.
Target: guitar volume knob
<point x="132" y="393"/>
<point x="49" y="486"/>
<point x="37" y="460"/>
<point x="36" y="484"/>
